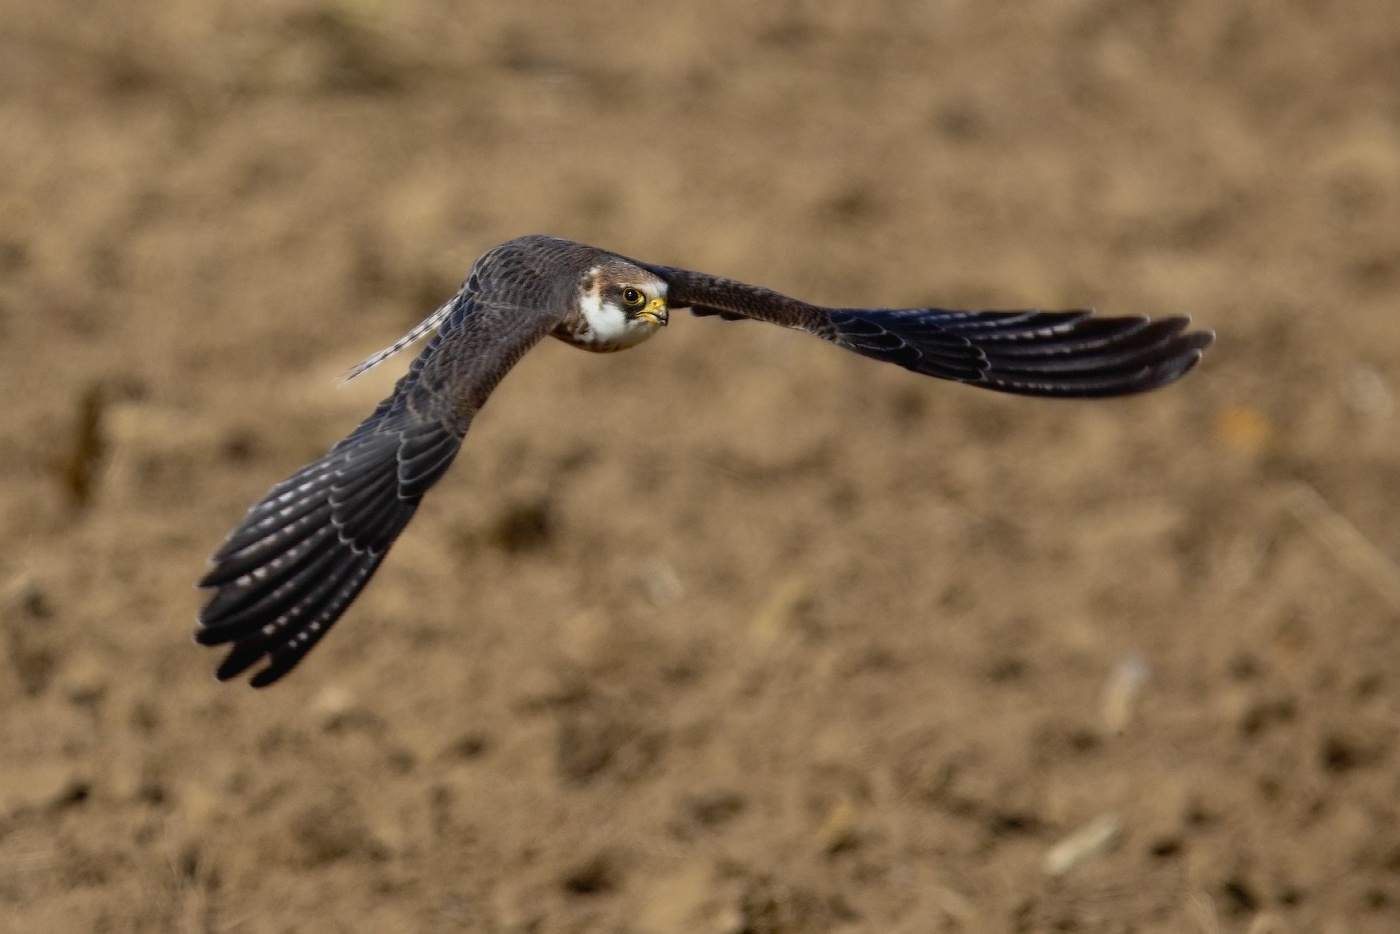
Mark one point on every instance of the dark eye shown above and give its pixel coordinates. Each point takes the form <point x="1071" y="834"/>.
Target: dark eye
<point x="632" y="297"/>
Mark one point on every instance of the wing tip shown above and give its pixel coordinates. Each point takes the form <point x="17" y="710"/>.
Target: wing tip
<point x="206" y="634"/>
<point x="1201" y="338"/>
<point x="1167" y="362"/>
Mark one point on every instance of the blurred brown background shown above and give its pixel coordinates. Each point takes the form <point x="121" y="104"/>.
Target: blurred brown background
<point x="734" y="632"/>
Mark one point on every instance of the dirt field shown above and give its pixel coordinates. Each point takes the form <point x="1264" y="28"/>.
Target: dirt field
<point x="735" y="633"/>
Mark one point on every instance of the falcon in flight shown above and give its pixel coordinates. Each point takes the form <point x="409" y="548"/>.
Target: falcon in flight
<point x="305" y="551"/>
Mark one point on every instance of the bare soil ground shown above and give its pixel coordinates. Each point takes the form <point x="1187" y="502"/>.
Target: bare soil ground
<point x="734" y="632"/>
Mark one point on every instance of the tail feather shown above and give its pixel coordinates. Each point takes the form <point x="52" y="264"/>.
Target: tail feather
<point x="419" y="332"/>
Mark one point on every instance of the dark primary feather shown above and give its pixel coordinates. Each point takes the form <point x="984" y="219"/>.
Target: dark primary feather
<point x="307" y="549"/>
<point x="303" y="553"/>
<point x="1035" y="353"/>
<point x="1032" y="353"/>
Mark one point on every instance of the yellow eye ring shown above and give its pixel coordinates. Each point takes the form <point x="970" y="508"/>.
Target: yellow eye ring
<point x="633" y="297"/>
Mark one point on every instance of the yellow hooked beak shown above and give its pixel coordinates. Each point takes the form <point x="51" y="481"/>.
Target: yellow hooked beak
<point x="655" y="312"/>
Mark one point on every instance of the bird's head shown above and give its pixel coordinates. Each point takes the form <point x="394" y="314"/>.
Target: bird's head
<point x="623" y="304"/>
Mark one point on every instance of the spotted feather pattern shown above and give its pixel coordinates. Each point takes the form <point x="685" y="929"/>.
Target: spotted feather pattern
<point x="304" y="552"/>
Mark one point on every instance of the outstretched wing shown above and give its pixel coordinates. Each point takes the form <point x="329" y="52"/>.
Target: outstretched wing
<point x="1034" y="353"/>
<point x="307" y="549"/>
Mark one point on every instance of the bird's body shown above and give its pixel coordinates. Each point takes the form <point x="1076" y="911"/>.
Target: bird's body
<point x="304" y="552"/>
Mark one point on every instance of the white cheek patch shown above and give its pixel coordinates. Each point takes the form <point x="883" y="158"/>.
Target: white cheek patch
<point x="609" y="326"/>
<point x="608" y="322"/>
